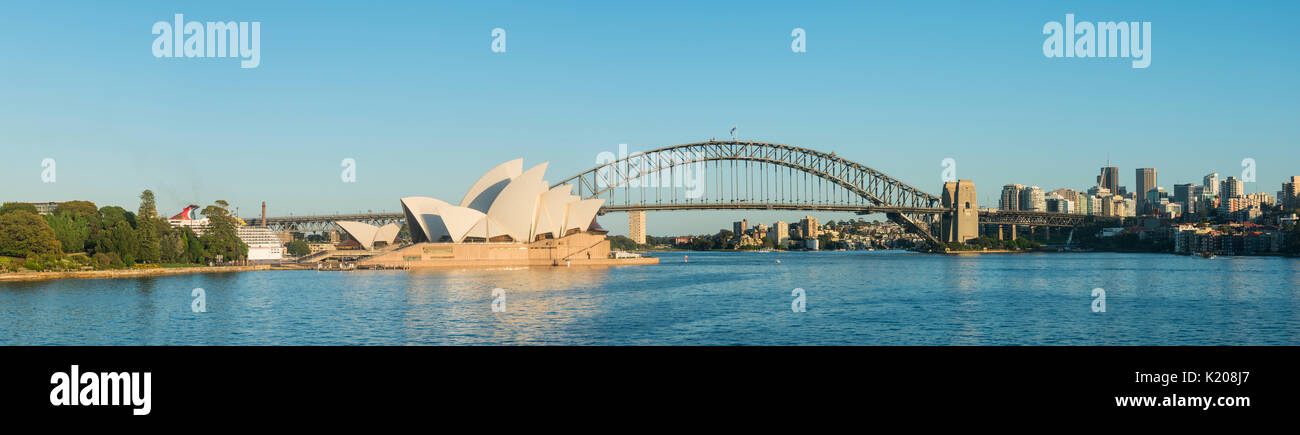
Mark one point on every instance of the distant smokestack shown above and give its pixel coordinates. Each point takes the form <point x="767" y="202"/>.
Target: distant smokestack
<point x="263" y="214"/>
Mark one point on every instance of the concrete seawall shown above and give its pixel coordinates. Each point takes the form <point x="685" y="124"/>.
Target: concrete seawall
<point x="129" y="273"/>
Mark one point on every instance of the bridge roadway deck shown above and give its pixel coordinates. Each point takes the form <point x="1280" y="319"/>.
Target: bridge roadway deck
<point x="314" y="223"/>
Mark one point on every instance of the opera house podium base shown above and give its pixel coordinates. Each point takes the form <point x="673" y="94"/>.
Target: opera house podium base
<point x="580" y="249"/>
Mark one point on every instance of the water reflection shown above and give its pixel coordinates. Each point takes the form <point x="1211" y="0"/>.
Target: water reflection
<point x="456" y="303"/>
<point x="887" y="298"/>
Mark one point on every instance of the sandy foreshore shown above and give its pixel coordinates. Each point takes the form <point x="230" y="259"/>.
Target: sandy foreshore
<point x="129" y="273"/>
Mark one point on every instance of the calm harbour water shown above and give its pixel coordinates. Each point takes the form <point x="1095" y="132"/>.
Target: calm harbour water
<point x="858" y="298"/>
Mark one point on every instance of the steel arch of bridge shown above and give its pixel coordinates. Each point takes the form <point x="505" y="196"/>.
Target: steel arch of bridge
<point x="901" y="202"/>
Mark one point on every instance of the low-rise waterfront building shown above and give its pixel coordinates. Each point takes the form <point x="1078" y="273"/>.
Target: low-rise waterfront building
<point x="1233" y="239"/>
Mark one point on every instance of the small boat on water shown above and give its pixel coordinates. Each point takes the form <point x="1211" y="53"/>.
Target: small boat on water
<point x="1207" y="255"/>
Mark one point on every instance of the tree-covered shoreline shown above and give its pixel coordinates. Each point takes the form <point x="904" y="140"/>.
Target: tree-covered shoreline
<point x="78" y="235"/>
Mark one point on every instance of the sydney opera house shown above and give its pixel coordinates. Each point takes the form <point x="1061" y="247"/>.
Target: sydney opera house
<point x="508" y="217"/>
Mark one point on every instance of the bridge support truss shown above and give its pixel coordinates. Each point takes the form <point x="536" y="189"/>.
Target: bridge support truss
<point x="752" y="175"/>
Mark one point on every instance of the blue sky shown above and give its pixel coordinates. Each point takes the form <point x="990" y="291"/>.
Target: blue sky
<point x="413" y="92"/>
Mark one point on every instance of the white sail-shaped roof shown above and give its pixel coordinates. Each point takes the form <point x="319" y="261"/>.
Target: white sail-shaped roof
<point x="515" y="209"/>
<point x="423" y="219"/>
<point x="435" y="218"/>
<point x="543" y="221"/>
<point x="387" y="233"/>
<point x="582" y="213"/>
<point x="363" y="233"/>
<point x="459" y="220"/>
<point x="367" y="234"/>
<point x="552" y="207"/>
<point x="485" y="191"/>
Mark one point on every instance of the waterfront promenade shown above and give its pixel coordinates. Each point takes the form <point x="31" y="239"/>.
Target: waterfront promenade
<point x="128" y="273"/>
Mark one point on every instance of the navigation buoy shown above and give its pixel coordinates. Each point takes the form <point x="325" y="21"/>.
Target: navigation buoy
<point x="686" y="259"/>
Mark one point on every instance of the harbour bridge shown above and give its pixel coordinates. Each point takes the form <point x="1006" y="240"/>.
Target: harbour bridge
<point x="746" y="175"/>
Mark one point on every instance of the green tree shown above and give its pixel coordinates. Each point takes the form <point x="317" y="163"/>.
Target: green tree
<point x="221" y="239"/>
<point x="721" y="239"/>
<point x="622" y="243"/>
<point x="24" y="234"/>
<point x="171" y="247"/>
<point x="1292" y="240"/>
<point x="1026" y="243"/>
<point x="702" y="244"/>
<point x="71" y="231"/>
<point x="122" y="240"/>
<point x="15" y="206"/>
<point x="148" y="207"/>
<point x="112" y="214"/>
<point x="110" y="260"/>
<point x="194" y="252"/>
<point x="151" y="231"/>
<point x="218" y="208"/>
<point x="824" y="241"/>
<point x="298" y="248"/>
<point x="78" y="208"/>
